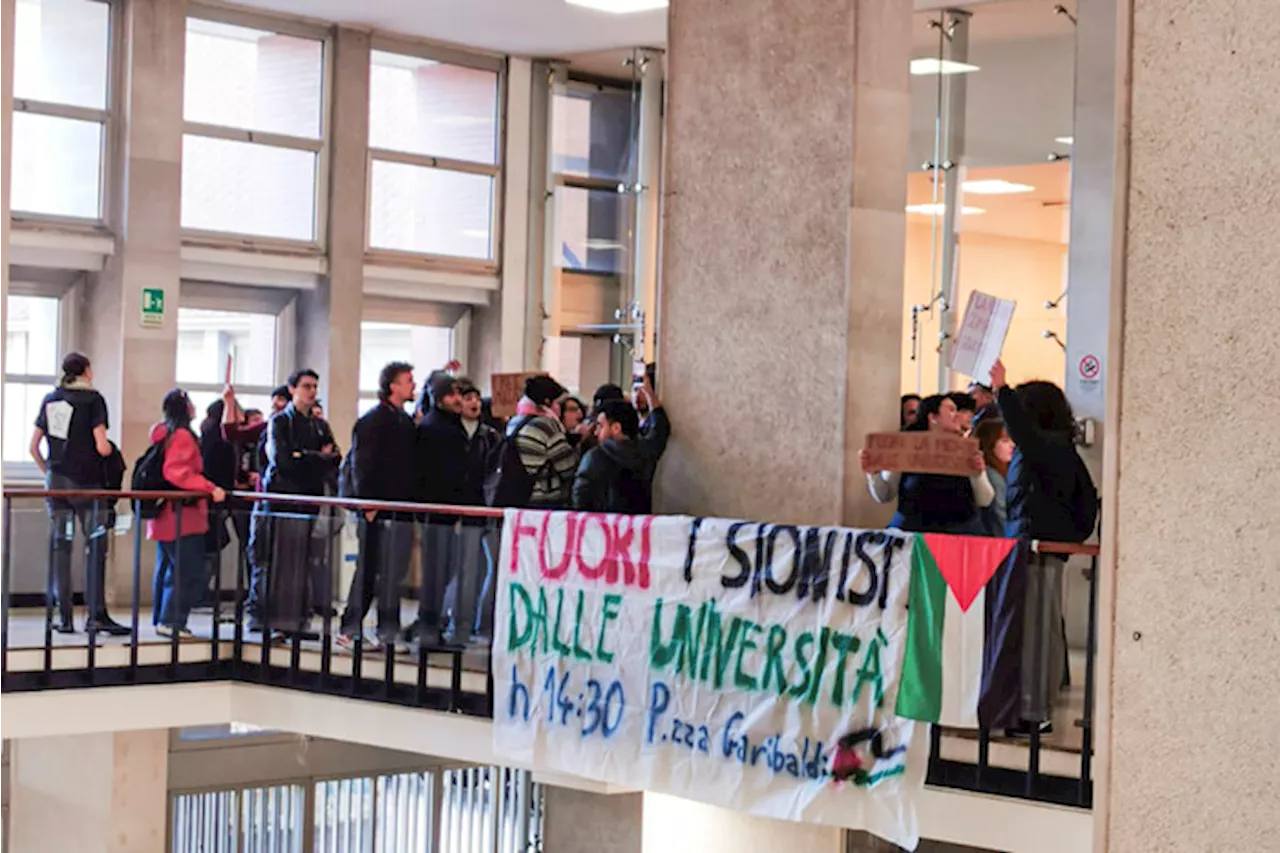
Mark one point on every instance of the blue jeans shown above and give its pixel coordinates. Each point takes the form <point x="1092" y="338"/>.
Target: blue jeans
<point x="178" y="587"/>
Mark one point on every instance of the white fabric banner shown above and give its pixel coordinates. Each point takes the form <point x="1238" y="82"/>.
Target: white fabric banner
<point x="751" y="666"/>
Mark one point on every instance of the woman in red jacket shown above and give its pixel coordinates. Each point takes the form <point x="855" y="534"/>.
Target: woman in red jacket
<point x="180" y="575"/>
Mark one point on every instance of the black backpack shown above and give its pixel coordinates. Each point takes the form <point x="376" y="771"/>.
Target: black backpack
<point x="508" y="483"/>
<point x="148" y="476"/>
<point x="1084" y="503"/>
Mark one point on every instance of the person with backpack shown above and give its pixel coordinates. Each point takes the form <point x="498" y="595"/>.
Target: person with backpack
<point x="1052" y="498"/>
<point x="613" y="476"/>
<point x="179" y="528"/>
<point x="548" y="463"/>
<point x="72" y="423"/>
<point x="381" y="465"/>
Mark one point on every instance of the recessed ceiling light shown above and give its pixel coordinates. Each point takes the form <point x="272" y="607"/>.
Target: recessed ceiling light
<point x="939" y="209"/>
<point x="1065" y="140"/>
<point x="620" y="7"/>
<point x="996" y="186"/>
<point x="921" y="67"/>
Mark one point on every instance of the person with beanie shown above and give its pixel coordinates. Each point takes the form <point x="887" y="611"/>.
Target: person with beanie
<point x="442" y="461"/>
<point x="72" y="423"/>
<point x="544" y="449"/>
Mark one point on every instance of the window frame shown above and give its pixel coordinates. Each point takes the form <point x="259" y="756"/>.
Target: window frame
<point x="68" y="297"/>
<point x="107" y="143"/>
<point x="455" y="317"/>
<point x="320" y="147"/>
<point x="496" y="64"/>
<point x="238" y="299"/>
<point x="559" y="180"/>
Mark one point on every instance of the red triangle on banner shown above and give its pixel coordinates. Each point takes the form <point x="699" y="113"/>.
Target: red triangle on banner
<point x="966" y="563"/>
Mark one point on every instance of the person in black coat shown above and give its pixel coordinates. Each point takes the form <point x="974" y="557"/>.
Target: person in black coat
<point x="442" y="461"/>
<point x="469" y="599"/>
<point x="383" y="466"/>
<point x="614" y="475"/>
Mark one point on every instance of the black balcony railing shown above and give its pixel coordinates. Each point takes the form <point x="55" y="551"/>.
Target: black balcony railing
<point x="287" y="632"/>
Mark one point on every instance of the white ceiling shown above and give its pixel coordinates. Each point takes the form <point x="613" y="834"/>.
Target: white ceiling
<point x="545" y="28"/>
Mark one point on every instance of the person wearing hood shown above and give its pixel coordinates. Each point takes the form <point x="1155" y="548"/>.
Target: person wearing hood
<point x="442" y="460"/>
<point x="613" y="476"/>
<point x="179" y="530"/>
<point x="544" y="449"/>
<point x="72" y="422"/>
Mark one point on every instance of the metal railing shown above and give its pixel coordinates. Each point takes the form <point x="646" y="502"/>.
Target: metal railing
<point x="423" y="670"/>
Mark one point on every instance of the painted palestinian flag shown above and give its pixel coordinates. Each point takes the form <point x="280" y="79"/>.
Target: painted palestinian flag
<point x="946" y="627"/>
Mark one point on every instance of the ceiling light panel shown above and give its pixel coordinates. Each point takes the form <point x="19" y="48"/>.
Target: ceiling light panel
<point x="620" y="7"/>
<point x="929" y="65"/>
<point x="939" y="209"/>
<point x="995" y="186"/>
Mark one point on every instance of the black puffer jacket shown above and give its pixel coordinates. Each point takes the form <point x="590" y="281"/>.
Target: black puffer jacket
<point x="1048" y="483"/>
<point x="614" y="477"/>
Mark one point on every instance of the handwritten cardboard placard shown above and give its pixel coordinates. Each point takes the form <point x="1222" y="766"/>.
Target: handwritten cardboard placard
<point x="981" y="337"/>
<point x="508" y="388"/>
<point x="751" y="666"/>
<point x="921" y="452"/>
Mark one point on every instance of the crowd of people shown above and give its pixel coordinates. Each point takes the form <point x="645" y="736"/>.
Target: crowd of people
<point x="555" y="453"/>
<point x="1027" y="482"/>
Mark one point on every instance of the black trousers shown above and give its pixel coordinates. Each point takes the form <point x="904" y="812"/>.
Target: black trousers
<point x="93" y="519"/>
<point x="386" y="546"/>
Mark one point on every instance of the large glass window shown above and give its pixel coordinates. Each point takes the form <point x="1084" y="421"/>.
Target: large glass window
<point x="593" y="144"/>
<point x="253" y="103"/>
<point x="60" y="74"/>
<point x="433" y="135"/>
<point x="31" y="358"/>
<point x="427" y="348"/>
<point x="207" y="339"/>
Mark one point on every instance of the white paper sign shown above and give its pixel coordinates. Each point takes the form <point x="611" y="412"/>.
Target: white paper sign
<point x="57" y="416"/>
<point x="751" y="666"/>
<point x="982" y="334"/>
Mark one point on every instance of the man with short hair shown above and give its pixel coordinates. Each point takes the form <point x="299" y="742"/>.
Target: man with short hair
<point x="965" y="407"/>
<point x="384" y="466"/>
<point x="984" y="401"/>
<point x="301" y="460"/>
<point x="442" y="460"/>
<point x="613" y="476"/>
<point x="908" y="406"/>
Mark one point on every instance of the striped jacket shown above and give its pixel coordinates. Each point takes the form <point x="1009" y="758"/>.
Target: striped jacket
<point x="548" y="456"/>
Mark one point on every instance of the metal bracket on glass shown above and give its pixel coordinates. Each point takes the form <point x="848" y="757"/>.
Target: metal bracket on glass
<point x="1054" y="303"/>
<point x="1048" y="334"/>
<point x="1066" y="13"/>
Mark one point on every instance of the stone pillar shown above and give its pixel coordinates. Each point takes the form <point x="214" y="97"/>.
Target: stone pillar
<point x="581" y="822"/>
<point x="329" y="317"/>
<point x="133" y="364"/>
<point x="1191" y="667"/>
<point x="783" y="246"/>
<point x="98" y="793"/>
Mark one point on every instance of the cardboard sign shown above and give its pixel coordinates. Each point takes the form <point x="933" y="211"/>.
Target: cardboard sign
<point x="981" y="336"/>
<point x="507" y="391"/>
<point x="921" y="452"/>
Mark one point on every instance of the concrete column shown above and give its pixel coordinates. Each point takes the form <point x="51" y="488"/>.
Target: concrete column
<point x="329" y="317"/>
<point x="98" y="793"/>
<point x="783" y="246"/>
<point x="1191" y="514"/>
<point x="133" y="364"/>
<point x="581" y="822"/>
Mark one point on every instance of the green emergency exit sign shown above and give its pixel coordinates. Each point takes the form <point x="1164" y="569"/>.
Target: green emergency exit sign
<point x="152" y="307"/>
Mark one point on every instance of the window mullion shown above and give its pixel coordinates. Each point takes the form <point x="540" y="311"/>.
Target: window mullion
<point x="255" y="137"/>
<point x="430" y="162"/>
<point x="48" y="108"/>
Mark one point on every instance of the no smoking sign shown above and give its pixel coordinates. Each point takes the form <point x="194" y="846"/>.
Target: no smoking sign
<point x="1090" y="367"/>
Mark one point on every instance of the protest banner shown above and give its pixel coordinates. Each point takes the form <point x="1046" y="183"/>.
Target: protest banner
<point x="507" y="389"/>
<point x="921" y="452"/>
<point x="751" y="666"/>
<point x="981" y="336"/>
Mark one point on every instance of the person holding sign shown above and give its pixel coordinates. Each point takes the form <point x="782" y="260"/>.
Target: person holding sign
<point x="929" y="502"/>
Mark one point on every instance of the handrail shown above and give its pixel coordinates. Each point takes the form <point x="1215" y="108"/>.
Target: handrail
<point x="1065" y="549"/>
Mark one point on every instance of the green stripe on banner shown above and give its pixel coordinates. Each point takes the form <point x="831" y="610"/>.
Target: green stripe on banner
<point x="920" y="691"/>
